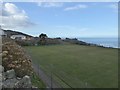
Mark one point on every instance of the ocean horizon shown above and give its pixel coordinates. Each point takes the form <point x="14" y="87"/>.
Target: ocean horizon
<point x="106" y="42"/>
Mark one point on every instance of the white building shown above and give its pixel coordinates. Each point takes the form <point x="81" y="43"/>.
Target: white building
<point x="20" y="37"/>
<point x="2" y="33"/>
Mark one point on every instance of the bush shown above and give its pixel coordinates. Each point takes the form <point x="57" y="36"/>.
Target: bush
<point x="14" y="57"/>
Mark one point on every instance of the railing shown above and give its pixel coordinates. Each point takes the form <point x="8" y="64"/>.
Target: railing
<point x="60" y="80"/>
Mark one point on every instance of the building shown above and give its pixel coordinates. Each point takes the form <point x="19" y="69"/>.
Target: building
<point x="2" y="33"/>
<point x="18" y="37"/>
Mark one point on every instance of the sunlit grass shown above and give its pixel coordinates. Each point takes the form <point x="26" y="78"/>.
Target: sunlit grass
<point x="79" y="66"/>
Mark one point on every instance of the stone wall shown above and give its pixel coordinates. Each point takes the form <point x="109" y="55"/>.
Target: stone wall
<point x="16" y="67"/>
<point x="15" y="57"/>
<point x="10" y="80"/>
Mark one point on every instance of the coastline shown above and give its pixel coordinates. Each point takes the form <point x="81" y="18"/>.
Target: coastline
<point x="102" y="42"/>
<point x="79" y="41"/>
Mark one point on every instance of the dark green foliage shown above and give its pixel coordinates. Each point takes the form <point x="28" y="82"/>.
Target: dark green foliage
<point x="42" y="40"/>
<point x="24" y="43"/>
<point x="43" y="36"/>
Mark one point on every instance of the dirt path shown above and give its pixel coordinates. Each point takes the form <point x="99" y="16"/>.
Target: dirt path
<point x="50" y="83"/>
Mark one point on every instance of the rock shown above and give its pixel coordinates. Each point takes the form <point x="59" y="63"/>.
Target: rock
<point x="3" y="77"/>
<point x="5" y="59"/>
<point x="9" y="83"/>
<point x="34" y="87"/>
<point x="10" y="56"/>
<point x="0" y="86"/>
<point x="0" y="77"/>
<point x="8" y="79"/>
<point x="25" y="82"/>
<point x="15" y="57"/>
<point x="0" y="55"/>
<point x="10" y="74"/>
<point x="1" y="69"/>
<point x="4" y="53"/>
<point x="18" y="78"/>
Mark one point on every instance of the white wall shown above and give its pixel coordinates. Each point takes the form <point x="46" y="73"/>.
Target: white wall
<point x="18" y="36"/>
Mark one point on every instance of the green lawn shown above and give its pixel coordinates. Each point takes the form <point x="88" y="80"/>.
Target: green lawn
<point x="78" y="66"/>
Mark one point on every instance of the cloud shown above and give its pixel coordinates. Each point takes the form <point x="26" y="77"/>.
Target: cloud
<point x="50" y="4"/>
<point x="77" y="7"/>
<point x="12" y="17"/>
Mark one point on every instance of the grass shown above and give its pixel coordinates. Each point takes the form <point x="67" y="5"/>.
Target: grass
<point x="77" y="65"/>
<point x="37" y="82"/>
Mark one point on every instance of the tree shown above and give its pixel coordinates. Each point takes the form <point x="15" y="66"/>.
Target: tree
<point x="43" y="36"/>
<point x="42" y="39"/>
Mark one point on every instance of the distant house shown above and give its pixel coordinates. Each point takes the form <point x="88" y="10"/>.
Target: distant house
<point x="15" y="35"/>
<point x="18" y="37"/>
<point x="29" y="38"/>
<point x="2" y="33"/>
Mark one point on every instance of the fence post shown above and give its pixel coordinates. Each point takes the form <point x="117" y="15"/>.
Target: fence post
<point x="51" y="77"/>
<point x="38" y="69"/>
<point x="51" y="81"/>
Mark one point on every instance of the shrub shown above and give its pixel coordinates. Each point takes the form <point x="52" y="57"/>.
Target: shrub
<point x="14" y="57"/>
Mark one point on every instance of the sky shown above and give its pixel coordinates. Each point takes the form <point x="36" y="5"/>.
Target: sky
<point x="62" y="19"/>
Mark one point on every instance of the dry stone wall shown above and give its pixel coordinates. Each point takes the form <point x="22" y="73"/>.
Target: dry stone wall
<point x="14" y="57"/>
<point x="10" y="80"/>
<point x="16" y="66"/>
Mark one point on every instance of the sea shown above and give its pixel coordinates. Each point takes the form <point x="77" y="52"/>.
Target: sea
<point x="106" y="42"/>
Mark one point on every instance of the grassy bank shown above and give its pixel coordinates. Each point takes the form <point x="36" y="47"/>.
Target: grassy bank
<point x="37" y="82"/>
<point x="78" y="66"/>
